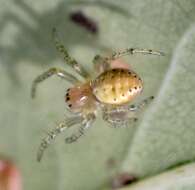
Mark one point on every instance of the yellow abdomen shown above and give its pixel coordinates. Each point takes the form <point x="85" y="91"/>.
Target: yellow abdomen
<point x="117" y="86"/>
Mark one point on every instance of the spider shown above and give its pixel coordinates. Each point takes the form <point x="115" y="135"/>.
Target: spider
<point x="111" y="91"/>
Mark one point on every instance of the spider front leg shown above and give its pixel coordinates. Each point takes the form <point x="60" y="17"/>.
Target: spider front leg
<point x="102" y="64"/>
<point x="51" y="135"/>
<point x="67" y="58"/>
<point x="52" y="71"/>
<point x="87" y="123"/>
<point x="130" y="51"/>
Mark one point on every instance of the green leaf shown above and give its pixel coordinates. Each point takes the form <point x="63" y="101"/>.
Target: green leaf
<point x="167" y="129"/>
<point x="164" y="135"/>
<point x="180" y="178"/>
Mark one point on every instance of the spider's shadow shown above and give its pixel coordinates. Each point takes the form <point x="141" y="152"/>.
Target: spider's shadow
<point x="33" y="42"/>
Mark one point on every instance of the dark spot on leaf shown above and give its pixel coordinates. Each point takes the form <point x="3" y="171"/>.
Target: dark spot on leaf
<point x="135" y="119"/>
<point x="131" y="50"/>
<point x="82" y="20"/>
<point x="122" y="180"/>
<point x="152" y="97"/>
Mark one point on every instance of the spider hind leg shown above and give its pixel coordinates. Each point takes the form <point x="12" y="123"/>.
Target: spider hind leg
<point x="125" y="115"/>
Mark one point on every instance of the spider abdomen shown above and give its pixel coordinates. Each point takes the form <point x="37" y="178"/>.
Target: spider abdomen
<point x="117" y="86"/>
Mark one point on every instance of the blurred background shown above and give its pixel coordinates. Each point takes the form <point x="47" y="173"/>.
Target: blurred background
<point x="105" y="158"/>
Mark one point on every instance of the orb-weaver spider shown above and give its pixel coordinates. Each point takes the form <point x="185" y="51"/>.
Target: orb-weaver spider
<point x="111" y="92"/>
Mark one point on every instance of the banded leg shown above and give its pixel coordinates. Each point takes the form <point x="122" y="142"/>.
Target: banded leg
<point x="130" y="51"/>
<point x="67" y="58"/>
<point x="52" y="71"/>
<point x="125" y="115"/>
<point x="85" y="125"/>
<point x="141" y="105"/>
<point x="103" y="63"/>
<point x="119" y="117"/>
<point x="51" y="135"/>
<point x="121" y="123"/>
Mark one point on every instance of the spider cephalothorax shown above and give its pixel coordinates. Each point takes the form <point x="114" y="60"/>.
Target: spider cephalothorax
<point x="111" y="92"/>
<point x="80" y="98"/>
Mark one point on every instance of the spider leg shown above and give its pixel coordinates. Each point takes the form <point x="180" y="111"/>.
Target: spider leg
<point x="101" y="64"/>
<point x="119" y="117"/>
<point x="52" y="71"/>
<point x="130" y="51"/>
<point x="104" y="63"/>
<point x="120" y="123"/>
<point x="141" y="105"/>
<point x="67" y="58"/>
<point x="51" y="135"/>
<point x="125" y="115"/>
<point x="85" y="125"/>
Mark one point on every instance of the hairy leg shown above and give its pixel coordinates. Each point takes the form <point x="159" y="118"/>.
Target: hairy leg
<point x="141" y="105"/>
<point x="51" y="135"/>
<point x="130" y="51"/>
<point x="117" y="123"/>
<point x="104" y="63"/>
<point x="85" y="125"/>
<point x="125" y="115"/>
<point x="52" y="71"/>
<point x="119" y="117"/>
<point x="67" y="58"/>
